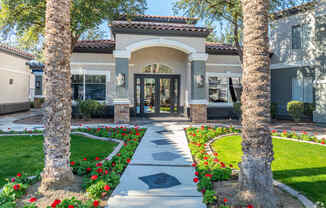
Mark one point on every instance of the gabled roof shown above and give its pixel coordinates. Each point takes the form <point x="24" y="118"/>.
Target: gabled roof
<point x="108" y="46"/>
<point x="294" y="10"/>
<point x="152" y="18"/>
<point x="162" y="28"/>
<point x="15" y="51"/>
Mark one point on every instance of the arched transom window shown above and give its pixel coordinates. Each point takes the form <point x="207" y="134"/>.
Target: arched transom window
<point x="157" y="69"/>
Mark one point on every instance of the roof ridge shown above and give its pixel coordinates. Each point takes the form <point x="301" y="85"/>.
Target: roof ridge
<point x="294" y="10"/>
<point x="16" y="51"/>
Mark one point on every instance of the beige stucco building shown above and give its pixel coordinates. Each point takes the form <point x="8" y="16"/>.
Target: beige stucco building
<point x="157" y="66"/>
<point x="16" y="80"/>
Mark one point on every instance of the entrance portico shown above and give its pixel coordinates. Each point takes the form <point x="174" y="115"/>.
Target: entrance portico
<point x="197" y="84"/>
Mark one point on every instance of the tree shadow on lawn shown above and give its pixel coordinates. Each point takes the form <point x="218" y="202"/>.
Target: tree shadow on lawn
<point x="309" y="181"/>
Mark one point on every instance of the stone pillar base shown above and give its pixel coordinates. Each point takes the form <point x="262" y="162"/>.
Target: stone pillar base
<point x="198" y="113"/>
<point x="121" y="114"/>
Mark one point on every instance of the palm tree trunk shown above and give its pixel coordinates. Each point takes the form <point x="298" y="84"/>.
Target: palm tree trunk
<point x="57" y="116"/>
<point x="256" y="178"/>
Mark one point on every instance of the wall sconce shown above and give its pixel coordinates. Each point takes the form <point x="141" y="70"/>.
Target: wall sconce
<point x="199" y="80"/>
<point x="121" y="80"/>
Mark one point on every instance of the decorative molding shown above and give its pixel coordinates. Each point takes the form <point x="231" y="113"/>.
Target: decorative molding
<point x="160" y="42"/>
<point x="224" y="65"/>
<point x="122" y="54"/>
<point x="198" y="57"/>
<point x="15" y="71"/>
<point x="198" y="102"/>
<point x="222" y="74"/>
<point x="117" y="101"/>
<point x="291" y="65"/>
<point x="92" y="64"/>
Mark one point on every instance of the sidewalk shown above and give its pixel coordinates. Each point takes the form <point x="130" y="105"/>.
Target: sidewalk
<point x="160" y="173"/>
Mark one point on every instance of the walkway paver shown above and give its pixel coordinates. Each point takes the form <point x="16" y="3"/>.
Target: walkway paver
<point x="160" y="173"/>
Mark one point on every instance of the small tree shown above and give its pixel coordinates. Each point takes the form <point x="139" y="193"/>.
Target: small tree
<point x="296" y="110"/>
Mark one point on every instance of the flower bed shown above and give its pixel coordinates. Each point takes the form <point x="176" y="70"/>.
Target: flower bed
<point x="209" y="169"/>
<point x="99" y="177"/>
<point x="304" y="136"/>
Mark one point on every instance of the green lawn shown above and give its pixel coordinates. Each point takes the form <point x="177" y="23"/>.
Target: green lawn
<point x="301" y="166"/>
<point x="25" y="153"/>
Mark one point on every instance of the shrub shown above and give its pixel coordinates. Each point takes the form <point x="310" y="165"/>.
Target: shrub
<point x="309" y="108"/>
<point x="90" y="108"/>
<point x="273" y="110"/>
<point x="296" y="110"/>
<point x="237" y="109"/>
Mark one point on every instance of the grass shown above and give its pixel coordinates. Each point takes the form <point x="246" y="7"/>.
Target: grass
<point x="25" y="153"/>
<point x="299" y="165"/>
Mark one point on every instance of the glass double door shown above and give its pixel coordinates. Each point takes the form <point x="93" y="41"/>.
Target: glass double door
<point x="157" y="95"/>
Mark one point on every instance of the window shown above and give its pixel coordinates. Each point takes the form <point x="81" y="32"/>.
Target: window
<point x="223" y="89"/>
<point x="95" y="87"/>
<point x="296" y="37"/>
<point x="157" y="69"/>
<point x="302" y="89"/>
<point x="88" y="86"/>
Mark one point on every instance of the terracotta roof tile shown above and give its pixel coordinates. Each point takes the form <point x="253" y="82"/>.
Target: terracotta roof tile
<point x="293" y="10"/>
<point x="107" y="46"/>
<point x="162" y="28"/>
<point x="156" y="18"/>
<point x="220" y="49"/>
<point x="16" y="51"/>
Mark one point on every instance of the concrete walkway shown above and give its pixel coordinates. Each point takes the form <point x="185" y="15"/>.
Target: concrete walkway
<point x="160" y="173"/>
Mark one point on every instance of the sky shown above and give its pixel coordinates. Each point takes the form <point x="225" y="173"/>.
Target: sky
<point x="160" y="7"/>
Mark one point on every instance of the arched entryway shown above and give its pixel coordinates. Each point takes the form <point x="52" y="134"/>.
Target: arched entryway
<point x="157" y="91"/>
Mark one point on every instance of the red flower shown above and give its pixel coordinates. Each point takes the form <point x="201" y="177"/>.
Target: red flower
<point x="323" y="142"/>
<point x="285" y="132"/>
<point x="70" y="206"/>
<point x="113" y="164"/>
<point x="106" y="172"/>
<point x="118" y="154"/>
<point x="128" y="160"/>
<point x="250" y="206"/>
<point x="33" y="199"/>
<point x="196" y="173"/>
<point x="99" y="165"/>
<point x="206" y="163"/>
<point x="194" y="165"/>
<point x="85" y="159"/>
<point x="19" y="174"/>
<point x="225" y="200"/>
<point x="72" y="163"/>
<point x="96" y="203"/>
<point x="137" y="134"/>
<point x="16" y="187"/>
<point x="194" y="135"/>
<point x="203" y="191"/>
<point x="195" y="180"/>
<point x="13" y="179"/>
<point x="125" y="144"/>
<point x="216" y="160"/>
<point x="107" y="187"/>
<point x="215" y="154"/>
<point x="99" y="170"/>
<point x="55" y="203"/>
<point x="208" y="175"/>
<point x="273" y="131"/>
<point x="88" y="169"/>
<point x="222" y="165"/>
<point x="94" y="177"/>
<point x="205" y="158"/>
<point x="97" y="158"/>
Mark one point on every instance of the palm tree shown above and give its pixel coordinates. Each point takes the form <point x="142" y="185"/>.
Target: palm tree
<point x="256" y="178"/>
<point x="57" y="117"/>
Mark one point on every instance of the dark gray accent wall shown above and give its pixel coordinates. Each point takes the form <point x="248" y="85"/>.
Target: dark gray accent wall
<point x="14" y="107"/>
<point x="122" y="66"/>
<point x="282" y="88"/>
<point x="38" y="85"/>
<point x="198" y="68"/>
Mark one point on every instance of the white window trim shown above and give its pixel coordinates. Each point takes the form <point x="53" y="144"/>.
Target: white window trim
<point x="220" y="74"/>
<point x="85" y="72"/>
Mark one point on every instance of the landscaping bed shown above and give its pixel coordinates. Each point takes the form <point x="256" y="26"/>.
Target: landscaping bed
<point x="99" y="177"/>
<point x="213" y="170"/>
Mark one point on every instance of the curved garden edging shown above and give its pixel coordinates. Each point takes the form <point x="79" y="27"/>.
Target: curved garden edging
<point x="109" y="157"/>
<point x="304" y="200"/>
